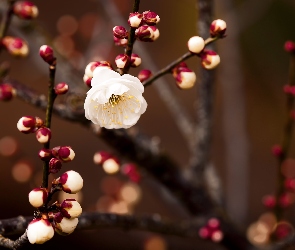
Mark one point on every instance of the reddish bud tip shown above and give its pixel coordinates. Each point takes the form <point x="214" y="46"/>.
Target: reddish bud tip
<point x="15" y="46"/>
<point x="43" y="135"/>
<point x="144" y="74"/>
<point x="289" y="46"/>
<point x="26" y="124"/>
<point x="209" y="59"/>
<point x="66" y="153"/>
<point x="25" y="10"/>
<point x="135" y="60"/>
<point x="7" y="92"/>
<point x="147" y="33"/>
<point x="54" y="165"/>
<point x="120" y="32"/>
<point x="46" y="52"/>
<point x="150" y="18"/>
<point x="45" y="154"/>
<point x="218" y="28"/>
<point x="120" y="42"/>
<point x="269" y="201"/>
<point x="61" y="88"/>
<point x="135" y="19"/>
<point x="122" y="61"/>
<point x="276" y="150"/>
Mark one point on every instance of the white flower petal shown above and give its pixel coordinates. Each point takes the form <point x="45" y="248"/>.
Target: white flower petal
<point x="115" y="89"/>
<point x="134" y="81"/>
<point x="101" y="74"/>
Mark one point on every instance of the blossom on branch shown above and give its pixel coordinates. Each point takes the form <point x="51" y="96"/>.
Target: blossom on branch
<point x="114" y="101"/>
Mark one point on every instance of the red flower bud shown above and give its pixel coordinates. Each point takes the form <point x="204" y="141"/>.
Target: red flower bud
<point x="150" y="18"/>
<point x="46" y="52"/>
<point x="289" y="46"/>
<point x="135" y="19"/>
<point x="15" y="46"/>
<point x="7" y="92"/>
<point x="25" y="10"/>
<point x="120" y="32"/>
<point x="43" y="135"/>
<point x="61" y="88"/>
<point x="54" y="165"/>
<point x="144" y="74"/>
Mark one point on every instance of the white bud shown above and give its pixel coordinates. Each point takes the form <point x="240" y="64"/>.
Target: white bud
<point x="71" y="208"/>
<point x="196" y="44"/>
<point x="38" y="197"/>
<point x="66" y="226"/>
<point x="210" y="59"/>
<point x="71" y="181"/>
<point x="39" y="231"/>
<point x="186" y="80"/>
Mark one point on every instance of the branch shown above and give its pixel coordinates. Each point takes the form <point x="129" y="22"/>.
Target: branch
<point x="14" y="244"/>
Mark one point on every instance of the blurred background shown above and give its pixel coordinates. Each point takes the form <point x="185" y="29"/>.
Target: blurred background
<point x="249" y="109"/>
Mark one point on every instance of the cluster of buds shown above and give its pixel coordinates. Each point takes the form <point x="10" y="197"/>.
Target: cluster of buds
<point x="25" y="10"/>
<point x="285" y="200"/>
<point x="57" y="156"/>
<point x="110" y="164"/>
<point x="185" y="77"/>
<point x="131" y="171"/>
<point x="15" y="46"/>
<point x="61" y="218"/>
<point x="122" y="61"/>
<point x="7" y="92"/>
<point x="211" y="231"/>
<point x="91" y="67"/>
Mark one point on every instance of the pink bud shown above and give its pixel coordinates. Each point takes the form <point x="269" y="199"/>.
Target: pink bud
<point x="218" y="28"/>
<point x="120" y="42"/>
<point x="135" y="60"/>
<point x="120" y="32"/>
<point x="196" y="44"/>
<point x="55" y="151"/>
<point x="213" y="223"/>
<point x="289" y="46"/>
<point x="150" y="18"/>
<point x="7" y="92"/>
<point x="61" y="88"/>
<point x="15" y="46"/>
<point x="26" y="124"/>
<point x="101" y="156"/>
<point x="290" y="184"/>
<point x="144" y="74"/>
<point x="54" y="166"/>
<point x="46" y="52"/>
<point x="276" y="150"/>
<point x="87" y="80"/>
<point x="204" y="233"/>
<point x="66" y="153"/>
<point x="25" y="10"/>
<point x="269" y="201"/>
<point x="71" y="182"/>
<point x="135" y="19"/>
<point x="43" y="135"/>
<point x="285" y="200"/>
<point x="179" y="68"/>
<point x="38" y="197"/>
<point x="147" y="33"/>
<point x="45" y="154"/>
<point x="186" y="79"/>
<point x="210" y="59"/>
<point x="93" y="65"/>
<point x="122" y="61"/>
<point x="131" y="171"/>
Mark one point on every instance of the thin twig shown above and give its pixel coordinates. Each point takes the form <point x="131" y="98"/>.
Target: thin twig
<point x="7" y="19"/>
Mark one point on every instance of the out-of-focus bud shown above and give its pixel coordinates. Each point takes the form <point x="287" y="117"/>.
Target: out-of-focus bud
<point x="289" y="46"/>
<point x="150" y="18"/>
<point x="39" y="231"/>
<point x="144" y="74"/>
<point x="210" y="59"/>
<point x="38" y="122"/>
<point x="25" y="10"/>
<point x="122" y="61"/>
<point x="131" y="171"/>
<point x="147" y="33"/>
<point x="43" y="135"/>
<point x="66" y="226"/>
<point x="135" y="19"/>
<point x="61" y="88"/>
<point x="7" y="92"/>
<point x="38" y="197"/>
<point x="26" y="124"/>
<point x="54" y="165"/>
<point x="66" y="153"/>
<point x="217" y="236"/>
<point x="111" y="165"/>
<point x="120" y="32"/>
<point x="15" y="46"/>
<point x="45" y="154"/>
<point x="87" y="80"/>
<point x="204" y="233"/>
<point x="186" y="79"/>
<point x="120" y="42"/>
<point x="196" y="44"/>
<point x="135" y="60"/>
<point x="71" y="182"/>
<point x="101" y="156"/>
<point x="90" y="68"/>
<point x="286" y="200"/>
<point x="277" y="150"/>
<point x="46" y="52"/>
<point x="213" y="223"/>
<point x="218" y="28"/>
<point x="70" y="208"/>
<point x="269" y="201"/>
<point x="290" y="184"/>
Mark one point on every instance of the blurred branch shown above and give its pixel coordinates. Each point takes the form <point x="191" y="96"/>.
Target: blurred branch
<point x="13" y="244"/>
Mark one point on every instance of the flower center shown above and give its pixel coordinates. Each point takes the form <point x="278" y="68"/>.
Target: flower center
<point x="114" y="100"/>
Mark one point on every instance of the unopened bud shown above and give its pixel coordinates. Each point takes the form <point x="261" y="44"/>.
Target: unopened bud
<point x="218" y="28"/>
<point x="210" y="59"/>
<point x="111" y="165"/>
<point x="101" y="156"/>
<point x="71" y="182"/>
<point x="120" y="32"/>
<point x="38" y="197"/>
<point x="61" y="88"/>
<point x="43" y="135"/>
<point x="46" y="52"/>
<point x="131" y="171"/>
<point x="26" y="124"/>
<point x="39" y="231"/>
<point x="54" y="165"/>
<point x="217" y="236"/>
<point x="45" y="154"/>
<point x="15" y="46"/>
<point x="289" y="46"/>
<point x="25" y="10"/>
<point x="276" y="150"/>
<point x="66" y="226"/>
<point x="38" y="122"/>
<point x="120" y="42"/>
<point x="135" y="60"/>
<point x="269" y="201"/>
<point x="290" y="184"/>
<point x="122" y="61"/>
<point x="70" y="208"/>
<point x="196" y="44"/>
<point x="144" y="74"/>
<point x="66" y="153"/>
<point x="178" y="68"/>
<point x="186" y="79"/>
<point x="150" y="18"/>
<point x="135" y="19"/>
<point x="7" y="92"/>
<point x="87" y="80"/>
<point x="93" y="65"/>
<point x="285" y="200"/>
<point x="147" y="33"/>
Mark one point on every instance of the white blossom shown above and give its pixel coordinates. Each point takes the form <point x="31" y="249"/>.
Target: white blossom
<point x="39" y="231"/>
<point x="114" y="101"/>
